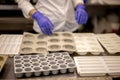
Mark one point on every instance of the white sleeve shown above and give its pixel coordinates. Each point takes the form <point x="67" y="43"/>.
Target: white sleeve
<point x="76" y="2"/>
<point x="25" y="6"/>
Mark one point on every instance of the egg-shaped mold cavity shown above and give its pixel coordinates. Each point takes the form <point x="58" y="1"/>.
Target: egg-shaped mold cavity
<point x="27" y="49"/>
<point x="71" y="67"/>
<point x="66" y="34"/>
<point x="58" y="58"/>
<point x="37" y="71"/>
<point x="54" y="40"/>
<point x="46" y="68"/>
<point x="54" y="69"/>
<point x="60" y="62"/>
<point x="35" y="64"/>
<point x="54" y="47"/>
<point x="34" y="60"/>
<point x="44" y="63"/>
<point x="69" y="61"/>
<point x="41" y="43"/>
<point x="26" y="60"/>
<point x="17" y="57"/>
<point x="33" y="56"/>
<point x="29" y="36"/>
<point x="37" y="68"/>
<point x="18" y="61"/>
<point x="66" y="57"/>
<point x="52" y="63"/>
<point x="63" y="68"/>
<point x="18" y="70"/>
<point x="27" y="43"/>
<point x="18" y="65"/>
<point x="49" y="55"/>
<point x="28" y="69"/>
<point x="26" y="57"/>
<point x="27" y="64"/>
<point x="41" y="37"/>
<point x="43" y="59"/>
<point x="28" y="72"/>
<point x="50" y="59"/>
<point x="69" y="47"/>
<point x="40" y="49"/>
<point x="54" y="35"/>
<point x="41" y="55"/>
<point x="57" y="54"/>
<point x="68" y="40"/>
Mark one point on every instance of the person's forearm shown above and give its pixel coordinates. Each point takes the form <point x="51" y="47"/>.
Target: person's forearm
<point x="32" y="12"/>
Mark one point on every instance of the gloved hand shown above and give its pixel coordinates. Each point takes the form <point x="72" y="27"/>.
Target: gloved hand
<point x="85" y="1"/>
<point x="44" y="23"/>
<point x="81" y="15"/>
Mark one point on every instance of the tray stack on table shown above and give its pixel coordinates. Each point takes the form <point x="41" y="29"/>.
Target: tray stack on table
<point x="10" y="44"/>
<point x="87" y="43"/>
<point x="3" y="59"/>
<point x="111" y="42"/>
<point x="39" y="43"/>
<point x="43" y="64"/>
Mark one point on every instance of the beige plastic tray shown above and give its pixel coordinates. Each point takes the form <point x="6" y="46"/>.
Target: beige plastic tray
<point x="90" y="66"/>
<point x="10" y="44"/>
<point x="39" y="43"/>
<point x="113" y="65"/>
<point x="98" y="65"/>
<point x="111" y="42"/>
<point x="87" y="43"/>
<point x="3" y="59"/>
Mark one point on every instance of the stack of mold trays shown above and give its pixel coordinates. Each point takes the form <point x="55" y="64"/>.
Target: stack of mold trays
<point x="111" y="42"/>
<point x="10" y="44"/>
<point x="43" y="64"/>
<point x="113" y="65"/>
<point x="98" y="65"/>
<point x="3" y="59"/>
<point x="90" y="66"/>
<point x="39" y="43"/>
<point x="87" y="43"/>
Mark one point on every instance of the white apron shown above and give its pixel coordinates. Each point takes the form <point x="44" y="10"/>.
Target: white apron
<point x="60" y="12"/>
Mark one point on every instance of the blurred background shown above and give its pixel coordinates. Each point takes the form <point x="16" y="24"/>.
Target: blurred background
<point x="104" y="17"/>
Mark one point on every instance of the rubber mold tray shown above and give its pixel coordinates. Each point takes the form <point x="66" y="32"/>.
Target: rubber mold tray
<point x="98" y="65"/>
<point x="87" y="43"/>
<point x="111" y="42"/>
<point x="10" y="44"/>
<point x="43" y="64"/>
<point x="39" y="43"/>
<point x="3" y="59"/>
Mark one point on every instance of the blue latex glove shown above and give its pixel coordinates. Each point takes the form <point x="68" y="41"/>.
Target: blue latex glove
<point x="81" y="15"/>
<point x="85" y="1"/>
<point x="44" y="23"/>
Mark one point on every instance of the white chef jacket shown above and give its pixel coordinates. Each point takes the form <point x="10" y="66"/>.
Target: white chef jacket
<point x="60" y="12"/>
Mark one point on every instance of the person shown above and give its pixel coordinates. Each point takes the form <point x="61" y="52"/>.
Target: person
<point x="55" y="15"/>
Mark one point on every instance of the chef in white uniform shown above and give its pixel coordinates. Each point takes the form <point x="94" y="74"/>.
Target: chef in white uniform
<point x="55" y="15"/>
